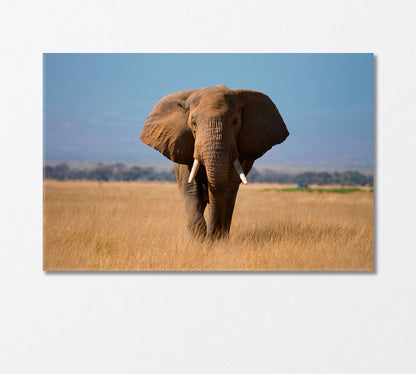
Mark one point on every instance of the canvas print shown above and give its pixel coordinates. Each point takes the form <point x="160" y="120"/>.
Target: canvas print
<point x="208" y="162"/>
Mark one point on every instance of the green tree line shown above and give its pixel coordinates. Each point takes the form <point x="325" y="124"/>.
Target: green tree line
<point x="121" y="172"/>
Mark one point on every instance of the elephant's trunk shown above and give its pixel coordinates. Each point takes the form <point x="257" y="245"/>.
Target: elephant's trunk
<point x="217" y="151"/>
<point x="217" y="194"/>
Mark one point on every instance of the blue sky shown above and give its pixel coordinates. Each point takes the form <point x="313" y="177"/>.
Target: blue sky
<point x="96" y="104"/>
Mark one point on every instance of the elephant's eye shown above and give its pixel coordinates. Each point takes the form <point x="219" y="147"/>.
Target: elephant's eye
<point x="193" y="123"/>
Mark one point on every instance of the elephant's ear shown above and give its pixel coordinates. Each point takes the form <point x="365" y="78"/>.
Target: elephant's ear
<point x="167" y="131"/>
<point x="262" y="125"/>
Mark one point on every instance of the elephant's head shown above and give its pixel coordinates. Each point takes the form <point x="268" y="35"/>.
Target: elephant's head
<point x="215" y="126"/>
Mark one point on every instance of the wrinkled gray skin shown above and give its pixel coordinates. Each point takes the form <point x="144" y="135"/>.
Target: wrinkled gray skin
<point x="216" y="126"/>
<point x="220" y="196"/>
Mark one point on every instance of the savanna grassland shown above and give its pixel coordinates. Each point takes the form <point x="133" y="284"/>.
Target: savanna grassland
<point x="141" y="226"/>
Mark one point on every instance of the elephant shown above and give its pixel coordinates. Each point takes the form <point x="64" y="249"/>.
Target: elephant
<point x="213" y="135"/>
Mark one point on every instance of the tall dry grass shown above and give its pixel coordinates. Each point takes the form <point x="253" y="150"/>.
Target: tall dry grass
<point x="141" y="226"/>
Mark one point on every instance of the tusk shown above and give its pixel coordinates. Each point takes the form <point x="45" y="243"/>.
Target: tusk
<point x="240" y="171"/>
<point x="194" y="170"/>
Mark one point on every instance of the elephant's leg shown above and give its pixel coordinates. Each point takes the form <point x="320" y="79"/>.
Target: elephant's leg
<point x="232" y="194"/>
<point x="229" y="209"/>
<point x="193" y="195"/>
<point x="194" y="208"/>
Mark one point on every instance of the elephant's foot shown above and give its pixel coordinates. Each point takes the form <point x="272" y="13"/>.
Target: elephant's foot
<point x="197" y="230"/>
<point x="217" y="233"/>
